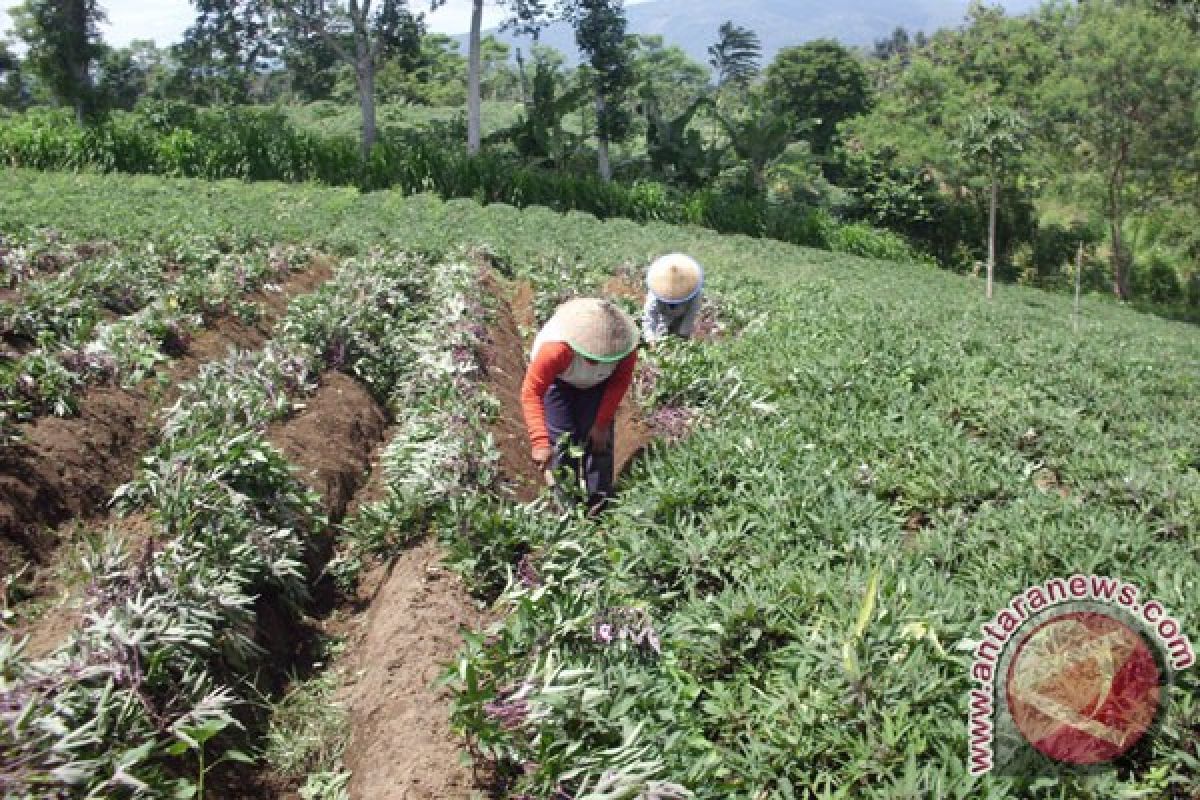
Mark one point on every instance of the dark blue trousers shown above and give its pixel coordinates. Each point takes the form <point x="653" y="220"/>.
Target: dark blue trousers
<point x="572" y="411"/>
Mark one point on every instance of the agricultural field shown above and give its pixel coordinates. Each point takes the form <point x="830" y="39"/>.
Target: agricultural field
<point x="326" y="570"/>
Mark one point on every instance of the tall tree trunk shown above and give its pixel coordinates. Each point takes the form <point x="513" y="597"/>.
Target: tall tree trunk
<point x="605" y="168"/>
<point x="758" y="178"/>
<point x="1078" y="285"/>
<point x="991" y="263"/>
<point x="524" y="79"/>
<point x="474" y="123"/>
<point x="79" y="64"/>
<point x="366" y="101"/>
<point x="1116" y="214"/>
<point x="364" y="70"/>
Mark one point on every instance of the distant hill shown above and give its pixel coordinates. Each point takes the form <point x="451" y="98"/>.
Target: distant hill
<point x="692" y="24"/>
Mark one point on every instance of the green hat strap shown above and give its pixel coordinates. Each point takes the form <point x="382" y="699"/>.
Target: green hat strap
<point x="602" y="359"/>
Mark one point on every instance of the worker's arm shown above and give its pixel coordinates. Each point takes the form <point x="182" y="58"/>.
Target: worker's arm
<point x="553" y="359"/>
<point x="654" y="324"/>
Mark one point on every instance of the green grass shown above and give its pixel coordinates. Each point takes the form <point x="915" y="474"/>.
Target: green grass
<point x="330" y="119"/>
<point x="862" y="398"/>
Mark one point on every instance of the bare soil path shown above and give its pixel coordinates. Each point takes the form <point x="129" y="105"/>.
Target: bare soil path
<point x="402" y="747"/>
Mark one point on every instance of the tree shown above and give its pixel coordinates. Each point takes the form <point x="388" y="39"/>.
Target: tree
<point x="666" y="72"/>
<point x="820" y="81"/>
<point x="600" y="35"/>
<point x="222" y="50"/>
<point x="993" y="139"/>
<point x="434" y="75"/>
<point x="898" y="44"/>
<point x="121" y="82"/>
<point x="677" y="150"/>
<point x="64" y="42"/>
<point x="735" y="55"/>
<point x="1123" y="102"/>
<point x="539" y="133"/>
<point x="310" y="60"/>
<point x="760" y="136"/>
<point x="362" y="34"/>
<point x="496" y="78"/>
<point x="474" y="68"/>
<point x="528" y="16"/>
<point x="10" y="78"/>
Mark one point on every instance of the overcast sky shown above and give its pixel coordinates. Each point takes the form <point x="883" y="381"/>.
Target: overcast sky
<point x="165" y="20"/>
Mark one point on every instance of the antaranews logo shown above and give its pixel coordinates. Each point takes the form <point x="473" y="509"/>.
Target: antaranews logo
<point x="1075" y="671"/>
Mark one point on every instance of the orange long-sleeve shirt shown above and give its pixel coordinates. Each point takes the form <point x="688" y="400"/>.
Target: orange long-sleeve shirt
<point x="552" y="360"/>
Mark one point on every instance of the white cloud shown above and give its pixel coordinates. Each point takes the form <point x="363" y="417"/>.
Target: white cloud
<point x="164" y="21"/>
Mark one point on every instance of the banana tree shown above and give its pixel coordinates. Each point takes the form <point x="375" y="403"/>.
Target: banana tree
<point x="673" y="147"/>
<point x="760" y="137"/>
<point x="539" y="133"/>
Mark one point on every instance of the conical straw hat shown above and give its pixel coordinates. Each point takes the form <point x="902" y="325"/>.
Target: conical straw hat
<point x="596" y="329"/>
<point x="675" y="278"/>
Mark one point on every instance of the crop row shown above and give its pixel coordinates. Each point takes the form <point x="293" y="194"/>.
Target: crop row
<point x="143" y="699"/>
<point x="872" y="420"/>
<point x="116" y="316"/>
<point x="783" y="603"/>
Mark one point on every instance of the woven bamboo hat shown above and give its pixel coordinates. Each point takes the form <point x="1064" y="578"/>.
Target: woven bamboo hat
<point x="596" y="329"/>
<point x="675" y="278"/>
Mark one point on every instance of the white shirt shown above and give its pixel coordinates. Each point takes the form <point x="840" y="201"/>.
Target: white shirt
<point x="659" y="319"/>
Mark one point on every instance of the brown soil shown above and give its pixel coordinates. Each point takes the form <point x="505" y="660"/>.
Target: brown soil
<point x="633" y="435"/>
<point x="329" y="444"/>
<point x="66" y="469"/>
<point x="331" y="440"/>
<point x="504" y="365"/>
<point x="375" y="489"/>
<point x="402" y="745"/>
<point x="623" y="286"/>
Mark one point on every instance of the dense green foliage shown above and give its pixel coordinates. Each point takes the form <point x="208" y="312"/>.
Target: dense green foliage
<point x="63" y="39"/>
<point x="262" y="145"/>
<point x="820" y="81"/>
<point x="701" y="637"/>
<point x="1107" y="91"/>
<point x="1108" y="144"/>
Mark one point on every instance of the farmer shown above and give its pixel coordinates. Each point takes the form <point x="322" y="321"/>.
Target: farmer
<point x="675" y="283"/>
<point x="581" y="367"/>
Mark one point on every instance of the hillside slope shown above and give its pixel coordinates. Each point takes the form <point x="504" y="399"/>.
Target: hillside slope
<point x="875" y="461"/>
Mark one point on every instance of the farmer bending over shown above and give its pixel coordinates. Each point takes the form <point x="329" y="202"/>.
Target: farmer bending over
<point x="581" y="367"/>
<point x="675" y="283"/>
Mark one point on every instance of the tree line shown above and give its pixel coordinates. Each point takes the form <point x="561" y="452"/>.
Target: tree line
<point x="1008" y="145"/>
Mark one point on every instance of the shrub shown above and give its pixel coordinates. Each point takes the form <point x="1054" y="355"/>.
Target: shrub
<point x="258" y="144"/>
<point x="1156" y="280"/>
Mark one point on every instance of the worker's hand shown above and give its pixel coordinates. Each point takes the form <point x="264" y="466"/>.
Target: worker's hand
<point x="542" y="456"/>
<point x="599" y="439"/>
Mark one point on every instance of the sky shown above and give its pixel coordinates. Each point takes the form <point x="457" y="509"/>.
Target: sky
<point x="165" y="20"/>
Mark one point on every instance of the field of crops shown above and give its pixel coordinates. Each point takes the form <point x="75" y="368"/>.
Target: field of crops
<point x="300" y="400"/>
